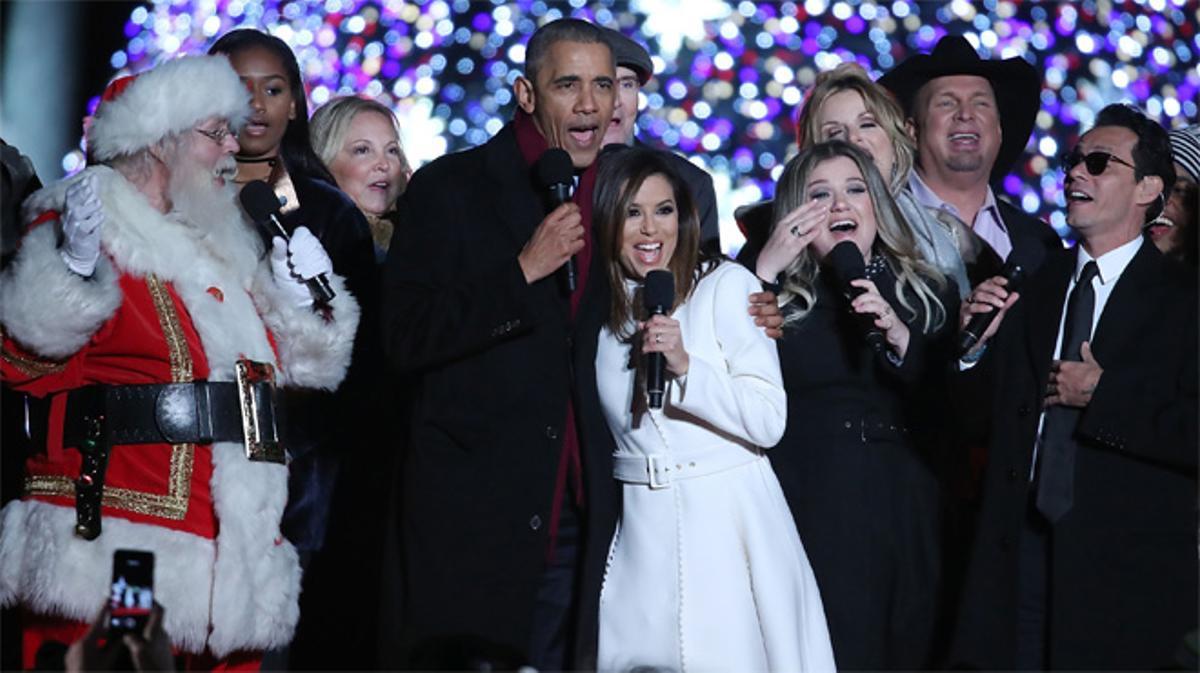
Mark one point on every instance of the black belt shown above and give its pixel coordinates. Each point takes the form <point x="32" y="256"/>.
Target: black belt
<point x="98" y="417"/>
<point x="866" y="428"/>
<point x="201" y="412"/>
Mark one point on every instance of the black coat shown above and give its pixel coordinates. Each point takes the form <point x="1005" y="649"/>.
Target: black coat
<point x="327" y="424"/>
<point x="341" y="480"/>
<point x="1032" y="239"/>
<point x="493" y="357"/>
<point x="1123" y="569"/>
<point x="854" y="466"/>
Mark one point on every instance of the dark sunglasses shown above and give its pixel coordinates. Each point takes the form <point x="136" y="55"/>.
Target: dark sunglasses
<point x="1095" y="162"/>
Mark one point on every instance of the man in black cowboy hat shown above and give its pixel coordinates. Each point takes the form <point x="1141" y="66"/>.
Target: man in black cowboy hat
<point x="634" y="70"/>
<point x="972" y="118"/>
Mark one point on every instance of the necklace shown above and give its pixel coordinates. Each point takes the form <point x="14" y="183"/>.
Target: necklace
<point x="876" y="266"/>
<point x="255" y="160"/>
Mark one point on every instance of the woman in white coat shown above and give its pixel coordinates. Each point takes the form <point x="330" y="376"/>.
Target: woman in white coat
<point x="706" y="570"/>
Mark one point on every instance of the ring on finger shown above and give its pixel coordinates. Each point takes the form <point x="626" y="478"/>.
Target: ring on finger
<point x="657" y="338"/>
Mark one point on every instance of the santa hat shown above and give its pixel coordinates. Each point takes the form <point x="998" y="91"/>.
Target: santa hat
<point x="137" y="111"/>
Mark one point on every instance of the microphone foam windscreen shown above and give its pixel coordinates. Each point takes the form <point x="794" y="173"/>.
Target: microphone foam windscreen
<point x="555" y="168"/>
<point x="847" y="262"/>
<point x="659" y="290"/>
<point x="259" y="200"/>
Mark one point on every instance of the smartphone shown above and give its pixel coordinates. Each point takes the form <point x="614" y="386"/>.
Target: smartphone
<point x="132" y="590"/>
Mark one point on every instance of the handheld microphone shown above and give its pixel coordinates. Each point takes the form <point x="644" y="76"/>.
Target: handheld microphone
<point x="556" y="174"/>
<point x="261" y="204"/>
<point x="847" y="264"/>
<point x="658" y="295"/>
<point x="979" y="323"/>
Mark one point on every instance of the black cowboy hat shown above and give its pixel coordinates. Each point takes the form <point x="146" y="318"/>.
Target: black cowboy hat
<point x="629" y="54"/>
<point x="1015" y="82"/>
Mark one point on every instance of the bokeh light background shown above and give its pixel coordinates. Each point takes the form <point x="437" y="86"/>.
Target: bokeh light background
<point x="729" y="75"/>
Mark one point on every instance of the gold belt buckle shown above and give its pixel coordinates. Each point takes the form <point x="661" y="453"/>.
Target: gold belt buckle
<point x="260" y="446"/>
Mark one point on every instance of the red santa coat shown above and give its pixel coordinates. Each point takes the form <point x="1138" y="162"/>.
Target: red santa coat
<point x="169" y="303"/>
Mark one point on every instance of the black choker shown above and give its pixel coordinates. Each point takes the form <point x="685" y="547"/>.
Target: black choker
<point x="263" y="160"/>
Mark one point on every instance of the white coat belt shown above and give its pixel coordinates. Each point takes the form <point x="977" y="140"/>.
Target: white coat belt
<point x="660" y="469"/>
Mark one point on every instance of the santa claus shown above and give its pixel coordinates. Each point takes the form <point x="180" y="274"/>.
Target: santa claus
<point x="149" y="326"/>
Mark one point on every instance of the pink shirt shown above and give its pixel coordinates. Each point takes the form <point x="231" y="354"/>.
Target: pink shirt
<point x="988" y="223"/>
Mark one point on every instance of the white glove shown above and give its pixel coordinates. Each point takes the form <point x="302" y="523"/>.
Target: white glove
<point x="81" y="219"/>
<point x="297" y="261"/>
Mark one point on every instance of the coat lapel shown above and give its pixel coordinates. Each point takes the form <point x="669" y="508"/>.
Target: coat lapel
<point x="1045" y="311"/>
<point x="1130" y="305"/>
<point x="519" y="207"/>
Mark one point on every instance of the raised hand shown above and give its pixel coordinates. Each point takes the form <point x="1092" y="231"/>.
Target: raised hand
<point x="296" y="261"/>
<point x="83" y="215"/>
<point x="661" y="334"/>
<point x="793" y="233"/>
<point x="556" y="238"/>
<point x="870" y="302"/>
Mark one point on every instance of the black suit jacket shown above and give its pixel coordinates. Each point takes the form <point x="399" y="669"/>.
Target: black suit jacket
<point x="1123" y="570"/>
<point x="493" y="360"/>
<point x="1032" y="239"/>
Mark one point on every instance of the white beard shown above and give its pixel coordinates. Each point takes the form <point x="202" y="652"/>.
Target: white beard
<point x="211" y="214"/>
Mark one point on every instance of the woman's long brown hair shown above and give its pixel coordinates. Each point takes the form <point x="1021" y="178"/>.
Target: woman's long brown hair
<point x="621" y="174"/>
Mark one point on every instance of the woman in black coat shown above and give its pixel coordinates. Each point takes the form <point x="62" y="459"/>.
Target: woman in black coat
<point x="851" y="462"/>
<point x="336" y="505"/>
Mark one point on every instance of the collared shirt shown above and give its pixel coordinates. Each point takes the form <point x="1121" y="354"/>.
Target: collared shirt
<point x="1110" y="265"/>
<point x="988" y="224"/>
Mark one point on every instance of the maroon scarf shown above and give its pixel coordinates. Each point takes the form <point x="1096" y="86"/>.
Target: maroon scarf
<point x="570" y="467"/>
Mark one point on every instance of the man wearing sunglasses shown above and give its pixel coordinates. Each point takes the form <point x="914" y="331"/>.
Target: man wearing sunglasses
<point x="1085" y="555"/>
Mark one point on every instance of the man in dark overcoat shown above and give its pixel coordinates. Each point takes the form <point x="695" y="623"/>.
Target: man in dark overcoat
<point x="477" y="309"/>
<point x="1086" y="554"/>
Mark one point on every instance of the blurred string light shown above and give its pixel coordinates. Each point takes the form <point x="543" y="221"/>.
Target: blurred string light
<point x="729" y="75"/>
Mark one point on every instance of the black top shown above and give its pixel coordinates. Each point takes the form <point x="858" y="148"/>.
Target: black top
<point x="854" y="464"/>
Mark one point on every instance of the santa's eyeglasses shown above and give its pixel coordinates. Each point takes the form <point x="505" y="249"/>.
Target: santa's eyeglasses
<point x="1095" y="162"/>
<point x="218" y="136"/>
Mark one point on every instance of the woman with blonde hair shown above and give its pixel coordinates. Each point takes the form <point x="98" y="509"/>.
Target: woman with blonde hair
<point x="359" y="140"/>
<point x="851" y="461"/>
<point x="845" y="104"/>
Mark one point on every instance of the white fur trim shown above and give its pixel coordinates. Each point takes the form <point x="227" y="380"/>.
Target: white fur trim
<point x="171" y="98"/>
<point x="255" y="600"/>
<point x="255" y="577"/>
<point x="48" y="308"/>
<point x="46" y="567"/>
<point x="314" y="353"/>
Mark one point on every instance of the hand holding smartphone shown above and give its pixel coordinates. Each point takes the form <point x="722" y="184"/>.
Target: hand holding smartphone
<point x="132" y="595"/>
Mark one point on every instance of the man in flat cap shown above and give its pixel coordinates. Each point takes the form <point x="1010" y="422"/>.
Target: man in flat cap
<point x="634" y="70"/>
<point x="972" y="119"/>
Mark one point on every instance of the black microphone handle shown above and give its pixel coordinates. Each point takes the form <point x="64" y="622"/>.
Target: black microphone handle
<point x="569" y="274"/>
<point x="322" y="292"/>
<point x="980" y="322"/>
<point x="874" y="336"/>
<point x="655" y="371"/>
<point x="655" y="364"/>
<point x="560" y="193"/>
<point x="974" y="329"/>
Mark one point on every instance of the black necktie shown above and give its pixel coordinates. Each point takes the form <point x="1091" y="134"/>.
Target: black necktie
<point x="1056" y="481"/>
